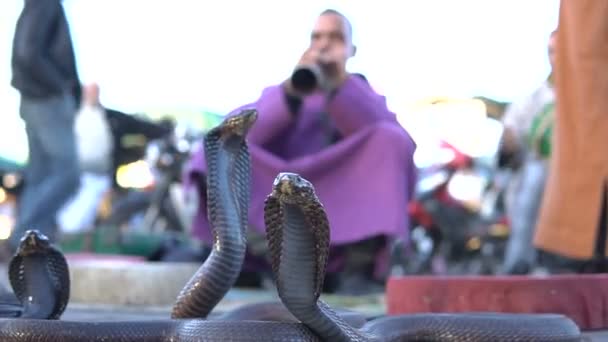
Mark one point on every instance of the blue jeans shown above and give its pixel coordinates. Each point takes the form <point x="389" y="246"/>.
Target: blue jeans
<point x="52" y="173"/>
<point x="527" y="195"/>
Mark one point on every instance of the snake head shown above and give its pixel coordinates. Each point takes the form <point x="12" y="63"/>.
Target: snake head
<point x="33" y="241"/>
<point x="240" y="123"/>
<point x="292" y="188"/>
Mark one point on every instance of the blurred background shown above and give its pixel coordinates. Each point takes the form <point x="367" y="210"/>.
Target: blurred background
<point x="185" y="57"/>
<point x="448" y="70"/>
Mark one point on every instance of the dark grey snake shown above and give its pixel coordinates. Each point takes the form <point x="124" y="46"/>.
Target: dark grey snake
<point x="40" y="279"/>
<point x="298" y="240"/>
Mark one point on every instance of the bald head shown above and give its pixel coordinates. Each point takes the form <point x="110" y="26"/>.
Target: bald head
<point x="348" y="28"/>
<point x="332" y="30"/>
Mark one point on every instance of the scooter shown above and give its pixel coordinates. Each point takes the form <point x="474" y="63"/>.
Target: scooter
<point x="457" y="226"/>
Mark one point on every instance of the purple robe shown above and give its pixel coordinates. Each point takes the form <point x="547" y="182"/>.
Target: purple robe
<point x="365" y="180"/>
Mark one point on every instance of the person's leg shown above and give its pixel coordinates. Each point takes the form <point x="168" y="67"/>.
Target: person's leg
<point x="35" y="170"/>
<point x="51" y="121"/>
<point x="521" y="254"/>
<point x="599" y="264"/>
<point x="515" y="194"/>
<point x="557" y="264"/>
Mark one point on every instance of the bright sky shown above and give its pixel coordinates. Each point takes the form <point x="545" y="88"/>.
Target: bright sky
<point x="217" y="55"/>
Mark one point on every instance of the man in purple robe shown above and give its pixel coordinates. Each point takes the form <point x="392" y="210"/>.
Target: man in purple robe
<point x="344" y="140"/>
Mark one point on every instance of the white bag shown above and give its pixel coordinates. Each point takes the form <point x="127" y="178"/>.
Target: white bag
<point x="94" y="139"/>
<point x="79" y="213"/>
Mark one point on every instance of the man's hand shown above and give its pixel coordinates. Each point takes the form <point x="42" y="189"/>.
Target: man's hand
<point x="310" y="56"/>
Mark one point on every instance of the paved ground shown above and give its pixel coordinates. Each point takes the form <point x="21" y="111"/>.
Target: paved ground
<point x="76" y="312"/>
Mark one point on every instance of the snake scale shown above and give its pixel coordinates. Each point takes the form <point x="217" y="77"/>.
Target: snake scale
<point x="298" y="240"/>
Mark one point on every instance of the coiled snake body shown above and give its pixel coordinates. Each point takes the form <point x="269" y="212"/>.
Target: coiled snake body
<point x="298" y="240"/>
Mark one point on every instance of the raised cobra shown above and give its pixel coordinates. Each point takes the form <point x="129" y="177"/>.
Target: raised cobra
<point x="298" y="238"/>
<point x="228" y="183"/>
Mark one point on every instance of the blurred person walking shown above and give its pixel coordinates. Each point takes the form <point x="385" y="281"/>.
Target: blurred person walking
<point x="44" y="72"/>
<point x="95" y="146"/>
<point x="100" y="134"/>
<point x="527" y="140"/>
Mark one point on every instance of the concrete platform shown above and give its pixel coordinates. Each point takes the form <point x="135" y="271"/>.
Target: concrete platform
<point x="136" y="283"/>
<point x="126" y="281"/>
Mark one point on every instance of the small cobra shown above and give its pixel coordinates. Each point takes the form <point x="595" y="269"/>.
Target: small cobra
<point x="39" y="276"/>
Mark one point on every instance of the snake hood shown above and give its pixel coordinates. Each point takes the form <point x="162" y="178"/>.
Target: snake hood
<point x="239" y="124"/>
<point x="291" y="188"/>
<point x="39" y="276"/>
<point x="293" y="199"/>
<point x="32" y="242"/>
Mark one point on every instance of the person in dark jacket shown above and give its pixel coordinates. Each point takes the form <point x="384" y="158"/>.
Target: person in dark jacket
<point x="44" y="73"/>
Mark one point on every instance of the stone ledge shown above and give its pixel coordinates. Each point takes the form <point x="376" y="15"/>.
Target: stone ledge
<point x="127" y="282"/>
<point x="117" y="283"/>
<point x="112" y="283"/>
<point x="582" y="297"/>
